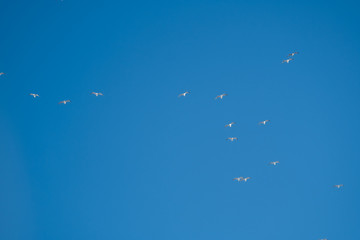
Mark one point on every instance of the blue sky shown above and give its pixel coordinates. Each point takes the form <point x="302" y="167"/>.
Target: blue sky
<point x="141" y="163"/>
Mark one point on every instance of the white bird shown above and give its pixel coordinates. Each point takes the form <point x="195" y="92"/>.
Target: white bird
<point x="221" y="96"/>
<point x="2" y="73"/>
<point x="232" y="138"/>
<point x="339" y="185"/>
<point x="64" y="102"/>
<point x="34" y="95"/>
<point x="239" y="179"/>
<point x="293" y="54"/>
<point x="245" y="179"/>
<point x="287" y="60"/>
<point x="97" y="94"/>
<point x="274" y="163"/>
<point x="264" y="122"/>
<point x="184" y="94"/>
<point x="230" y="124"/>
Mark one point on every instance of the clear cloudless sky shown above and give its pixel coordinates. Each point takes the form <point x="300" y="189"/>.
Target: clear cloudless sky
<point x="141" y="163"/>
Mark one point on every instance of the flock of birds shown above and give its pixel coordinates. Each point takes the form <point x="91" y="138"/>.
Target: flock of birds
<point x="231" y="124"/>
<point x="265" y="122"/>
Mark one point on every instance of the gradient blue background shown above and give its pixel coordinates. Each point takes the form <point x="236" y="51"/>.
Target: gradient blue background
<point x="141" y="163"/>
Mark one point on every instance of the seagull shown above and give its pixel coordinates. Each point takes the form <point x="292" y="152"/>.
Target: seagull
<point x="64" y="102"/>
<point x="239" y="179"/>
<point x="2" y="73"/>
<point x="245" y="179"/>
<point x="34" y="95"/>
<point x="232" y="138"/>
<point x="274" y="163"/>
<point x="97" y="94"/>
<point x="293" y="54"/>
<point x="184" y="94"/>
<point x="287" y="60"/>
<point x="339" y="185"/>
<point x="230" y="124"/>
<point x="264" y="122"/>
<point x="221" y="96"/>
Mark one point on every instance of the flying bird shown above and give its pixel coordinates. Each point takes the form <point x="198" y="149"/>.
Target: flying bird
<point x="274" y="163"/>
<point x="64" y="102"/>
<point x="35" y="95"/>
<point x="339" y="185"/>
<point x="184" y="94"/>
<point x="97" y="94"/>
<point x="221" y="96"/>
<point x="239" y="179"/>
<point x="245" y="179"/>
<point x="287" y="60"/>
<point x="264" y="122"/>
<point x="232" y="138"/>
<point x="293" y="54"/>
<point x="230" y="124"/>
